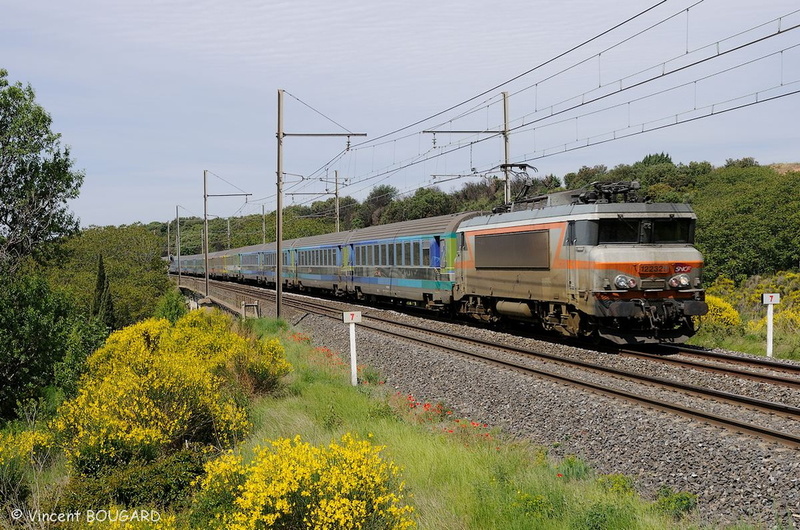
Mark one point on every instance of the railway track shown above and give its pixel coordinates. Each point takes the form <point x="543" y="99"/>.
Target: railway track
<point x="733" y="365"/>
<point x="540" y="364"/>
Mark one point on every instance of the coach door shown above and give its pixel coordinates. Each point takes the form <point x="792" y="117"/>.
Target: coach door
<point x="572" y="262"/>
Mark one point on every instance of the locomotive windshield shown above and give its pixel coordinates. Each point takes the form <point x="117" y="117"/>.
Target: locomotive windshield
<point x="634" y="231"/>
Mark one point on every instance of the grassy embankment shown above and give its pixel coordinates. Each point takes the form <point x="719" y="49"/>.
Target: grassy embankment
<point x="460" y="473"/>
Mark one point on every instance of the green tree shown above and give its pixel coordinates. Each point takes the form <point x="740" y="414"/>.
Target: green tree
<point x="102" y="306"/>
<point x="657" y="159"/>
<point x="34" y="328"/>
<point x="747" y="161"/>
<point x="373" y="206"/>
<point x="481" y="195"/>
<point x="137" y="275"/>
<point x="586" y="175"/>
<point x="426" y="202"/>
<point x="36" y="176"/>
<point x="171" y="306"/>
<point x="747" y="221"/>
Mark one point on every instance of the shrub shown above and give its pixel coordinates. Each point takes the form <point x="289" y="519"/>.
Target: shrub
<point x="34" y="325"/>
<point x="20" y="452"/>
<point x="602" y="516"/>
<point x="154" y="386"/>
<point x="171" y="306"/>
<point x="788" y="320"/>
<point x="572" y="467"/>
<point x="721" y="315"/>
<point x="617" y="484"/>
<point x="547" y="505"/>
<point x="676" y="504"/>
<point x="165" y="482"/>
<point x="293" y="484"/>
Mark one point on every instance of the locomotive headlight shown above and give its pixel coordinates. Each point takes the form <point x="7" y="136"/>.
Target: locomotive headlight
<point x="624" y="282"/>
<point x="680" y="281"/>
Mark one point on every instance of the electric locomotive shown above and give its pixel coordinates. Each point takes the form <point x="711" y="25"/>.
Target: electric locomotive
<point x="585" y="265"/>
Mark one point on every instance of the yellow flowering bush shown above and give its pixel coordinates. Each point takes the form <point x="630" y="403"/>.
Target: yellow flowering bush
<point x="20" y="452"/>
<point x="788" y="320"/>
<point x="721" y="315"/>
<point x="27" y="446"/>
<point x="292" y="484"/>
<point x="154" y="386"/>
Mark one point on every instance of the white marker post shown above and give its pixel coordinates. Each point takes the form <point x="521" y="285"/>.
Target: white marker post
<point x="769" y="300"/>
<point x="352" y="318"/>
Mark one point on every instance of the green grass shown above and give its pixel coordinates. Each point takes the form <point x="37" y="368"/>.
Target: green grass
<point x="461" y="475"/>
<point x="785" y="346"/>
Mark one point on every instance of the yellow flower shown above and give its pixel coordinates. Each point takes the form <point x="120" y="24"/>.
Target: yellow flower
<point x="154" y="385"/>
<point x="294" y="484"/>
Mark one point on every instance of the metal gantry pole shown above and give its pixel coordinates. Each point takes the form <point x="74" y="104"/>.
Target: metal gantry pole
<point x="507" y="195"/>
<point x="205" y="225"/>
<point x="279" y="212"/>
<point x="178" y="242"/>
<point x="336" y="195"/>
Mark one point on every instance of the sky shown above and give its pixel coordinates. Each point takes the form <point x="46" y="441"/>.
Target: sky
<point x="150" y="94"/>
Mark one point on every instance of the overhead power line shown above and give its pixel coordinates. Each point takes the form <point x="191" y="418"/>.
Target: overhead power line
<point x="523" y="74"/>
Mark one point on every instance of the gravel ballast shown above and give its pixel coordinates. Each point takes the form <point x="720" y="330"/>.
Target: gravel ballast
<point x="737" y="477"/>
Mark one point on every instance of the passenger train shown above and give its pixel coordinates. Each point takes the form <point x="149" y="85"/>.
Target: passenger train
<point x="596" y="263"/>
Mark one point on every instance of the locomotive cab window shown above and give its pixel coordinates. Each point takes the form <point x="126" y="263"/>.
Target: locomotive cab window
<point x="644" y="231"/>
<point x="673" y="231"/>
<point x="618" y="231"/>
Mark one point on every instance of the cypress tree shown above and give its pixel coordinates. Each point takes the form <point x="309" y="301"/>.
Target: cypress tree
<point x="102" y="306"/>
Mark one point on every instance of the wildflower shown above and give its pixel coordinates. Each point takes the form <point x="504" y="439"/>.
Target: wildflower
<point x="291" y="483"/>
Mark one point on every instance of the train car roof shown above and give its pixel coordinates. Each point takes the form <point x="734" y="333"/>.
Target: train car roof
<point x="585" y="211"/>
<point x="441" y="224"/>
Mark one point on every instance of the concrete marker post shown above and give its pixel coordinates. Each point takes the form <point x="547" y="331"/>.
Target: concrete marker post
<point x="769" y="300"/>
<point x="352" y="318"/>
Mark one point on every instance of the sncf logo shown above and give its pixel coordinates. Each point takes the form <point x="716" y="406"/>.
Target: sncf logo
<point x="680" y="267"/>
